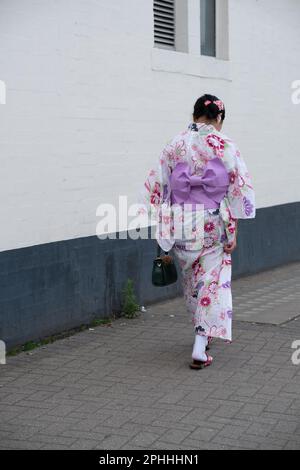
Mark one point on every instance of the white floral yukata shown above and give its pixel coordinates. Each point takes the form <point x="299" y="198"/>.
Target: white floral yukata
<point x="206" y="271"/>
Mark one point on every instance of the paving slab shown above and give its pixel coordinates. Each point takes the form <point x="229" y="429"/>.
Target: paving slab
<point x="128" y="385"/>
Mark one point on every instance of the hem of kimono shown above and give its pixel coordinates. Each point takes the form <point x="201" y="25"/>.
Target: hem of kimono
<point x="226" y="339"/>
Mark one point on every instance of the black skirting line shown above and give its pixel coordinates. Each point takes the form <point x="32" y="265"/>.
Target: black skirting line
<point x="48" y="288"/>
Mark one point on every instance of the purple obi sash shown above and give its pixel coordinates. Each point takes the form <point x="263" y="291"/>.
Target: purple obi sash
<point x="207" y="189"/>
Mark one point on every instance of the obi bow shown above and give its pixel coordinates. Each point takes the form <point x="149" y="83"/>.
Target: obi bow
<point x="207" y="189"/>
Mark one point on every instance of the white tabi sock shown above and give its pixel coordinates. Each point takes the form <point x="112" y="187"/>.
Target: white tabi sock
<point x="199" y="348"/>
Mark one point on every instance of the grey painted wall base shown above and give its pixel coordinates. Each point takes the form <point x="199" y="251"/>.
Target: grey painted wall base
<point x="49" y="288"/>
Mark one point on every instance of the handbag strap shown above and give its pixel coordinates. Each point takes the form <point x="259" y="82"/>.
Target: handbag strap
<point x="159" y="250"/>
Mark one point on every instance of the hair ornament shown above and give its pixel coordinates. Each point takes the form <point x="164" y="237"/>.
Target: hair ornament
<point x="220" y="104"/>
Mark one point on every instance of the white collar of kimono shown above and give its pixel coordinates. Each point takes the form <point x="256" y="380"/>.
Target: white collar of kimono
<point x="201" y="125"/>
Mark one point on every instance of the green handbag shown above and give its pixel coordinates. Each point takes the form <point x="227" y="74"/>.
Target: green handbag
<point x="164" y="270"/>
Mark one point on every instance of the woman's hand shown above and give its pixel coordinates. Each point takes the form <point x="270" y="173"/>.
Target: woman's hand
<point x="230" y="247"/>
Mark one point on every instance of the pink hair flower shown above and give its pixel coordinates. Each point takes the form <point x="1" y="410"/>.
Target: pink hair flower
<point x="220" y="104"/>
<point x="207" y="102"/>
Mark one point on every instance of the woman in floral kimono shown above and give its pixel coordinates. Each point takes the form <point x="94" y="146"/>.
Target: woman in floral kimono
<point x="202" y="165"/>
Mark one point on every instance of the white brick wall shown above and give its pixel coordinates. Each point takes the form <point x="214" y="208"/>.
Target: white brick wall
<point x="86" y="115"/>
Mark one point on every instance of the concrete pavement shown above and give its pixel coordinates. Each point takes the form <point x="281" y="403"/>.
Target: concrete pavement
<point x="128" y="385"/>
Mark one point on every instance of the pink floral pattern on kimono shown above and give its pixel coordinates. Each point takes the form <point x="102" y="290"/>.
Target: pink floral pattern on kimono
<point x="206" y="271"/>
<point x="206" y="277"/>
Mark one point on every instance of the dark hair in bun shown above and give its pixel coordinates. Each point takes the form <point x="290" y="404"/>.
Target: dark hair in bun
<point x="209" y="106"/>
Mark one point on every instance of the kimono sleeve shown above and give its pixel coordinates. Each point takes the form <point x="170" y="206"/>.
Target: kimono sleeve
<point x="156" y="188"/>
<point x="239" y="202"/>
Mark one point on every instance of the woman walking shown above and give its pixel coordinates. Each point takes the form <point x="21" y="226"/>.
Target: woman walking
<point x="202" y="165"/>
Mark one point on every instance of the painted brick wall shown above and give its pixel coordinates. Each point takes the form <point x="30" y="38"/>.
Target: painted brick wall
<point x="86" y="114"/>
